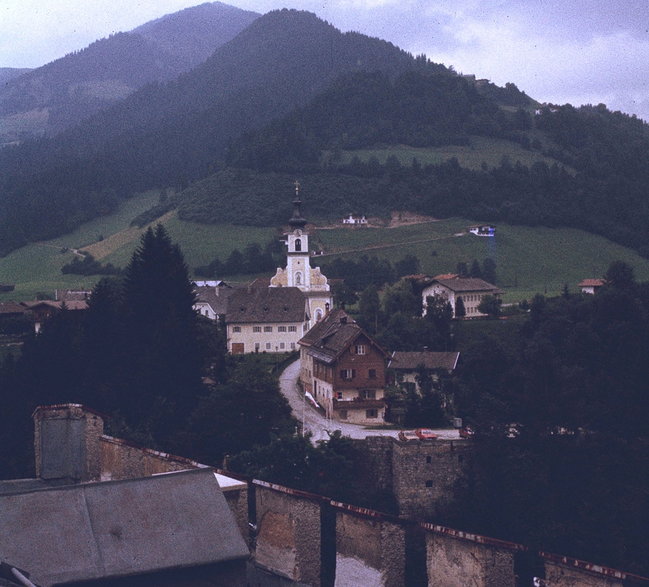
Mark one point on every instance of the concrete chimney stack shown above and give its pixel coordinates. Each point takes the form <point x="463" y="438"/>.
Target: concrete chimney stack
<point x="66" y="443"/>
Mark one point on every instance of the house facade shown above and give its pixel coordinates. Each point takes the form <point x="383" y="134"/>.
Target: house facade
<point x="343" y="369"/>
<point x="298" y="272"/>
<point x="212" y="299"/>
<point x="470" y="289"/>
<point x="266" y="319"/>
<point x="404" y="366"/>
<point x="590" y="286"/>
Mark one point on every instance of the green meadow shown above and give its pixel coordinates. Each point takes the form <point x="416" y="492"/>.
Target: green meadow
<point x="528" y="260"/>
<point x="480" y="150"/>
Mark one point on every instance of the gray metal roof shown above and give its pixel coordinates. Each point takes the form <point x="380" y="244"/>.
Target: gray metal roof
<point x="410" y="361"/>
<point x="119" y="528"/>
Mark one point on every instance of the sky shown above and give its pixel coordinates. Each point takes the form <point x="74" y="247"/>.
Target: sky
<point x="570" y="51"/>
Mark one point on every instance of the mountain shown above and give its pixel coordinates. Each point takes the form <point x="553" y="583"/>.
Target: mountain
<point x="169" y="134"/>
<point x="71" y="88"/>
<point x="9" y="73"/>
<point x="194" y="33"/>
<point x="351" y="116"/>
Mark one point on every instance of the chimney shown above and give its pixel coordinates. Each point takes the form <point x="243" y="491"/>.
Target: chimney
<point x="66" y="443"/>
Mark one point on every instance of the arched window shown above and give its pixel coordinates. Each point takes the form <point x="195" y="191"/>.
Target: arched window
<point x="298" y="278"/>
<point x="298" y="244"/>
<point x="318" y="315"/>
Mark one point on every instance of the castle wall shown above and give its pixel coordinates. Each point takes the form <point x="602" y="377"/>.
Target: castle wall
<point x="459" y="559"/>
<point x="370" y="548"/>
<point x="288" y="528"/>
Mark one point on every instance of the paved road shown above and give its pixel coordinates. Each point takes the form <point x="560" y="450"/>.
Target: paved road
<point x="314" y="421"/>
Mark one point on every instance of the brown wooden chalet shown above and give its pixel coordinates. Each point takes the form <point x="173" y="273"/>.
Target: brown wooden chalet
<point x="343" y="368"/>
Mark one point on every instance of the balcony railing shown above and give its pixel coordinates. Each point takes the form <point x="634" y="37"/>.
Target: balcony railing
<point x="358" y="404"/>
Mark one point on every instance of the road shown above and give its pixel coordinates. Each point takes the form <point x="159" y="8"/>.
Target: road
<point x="314" y="421"/>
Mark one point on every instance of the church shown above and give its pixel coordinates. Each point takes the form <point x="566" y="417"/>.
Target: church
<point x="298" y="272"/>
<point x="274" y="317"/>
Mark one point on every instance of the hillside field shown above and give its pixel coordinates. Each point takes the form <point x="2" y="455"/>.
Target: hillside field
<point x="529" y="260"/>
<point x="491" y="151"/>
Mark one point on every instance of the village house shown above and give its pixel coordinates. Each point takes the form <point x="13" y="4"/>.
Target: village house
<point x="43" y="310"/>
<point x="266" y="319"/>
<point x="404" y="367"/>
<point x="590" y="286"/>
<point x="352" y="220"/>
<point x="483" y="230"/>
<point x="452" y="287"/>
<point x="212" y="299"/>
<point x="343" y="369"/>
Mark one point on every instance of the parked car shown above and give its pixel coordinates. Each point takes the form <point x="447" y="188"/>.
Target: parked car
<point x="408" y="435"/>
<point x="425" y="434"/>
<point x="466" y="432"/>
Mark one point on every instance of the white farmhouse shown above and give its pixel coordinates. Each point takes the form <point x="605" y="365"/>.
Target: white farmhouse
<point x="471" y="289"/>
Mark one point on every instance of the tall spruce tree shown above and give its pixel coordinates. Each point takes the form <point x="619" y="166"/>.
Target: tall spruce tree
<point x="163" y="365"/>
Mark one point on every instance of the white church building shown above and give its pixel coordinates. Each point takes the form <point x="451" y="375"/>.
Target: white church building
<point x="273" y="318"/>
<point x="298" y="272"/>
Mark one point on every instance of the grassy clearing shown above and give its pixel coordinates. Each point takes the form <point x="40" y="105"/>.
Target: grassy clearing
<point x="481" y="150"/>
<point x="529" y="260"/>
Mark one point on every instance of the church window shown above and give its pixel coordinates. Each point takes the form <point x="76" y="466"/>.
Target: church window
<point x="298" y="278"/>
<point x="318" y="315"/>
<point x="298" y="244"/>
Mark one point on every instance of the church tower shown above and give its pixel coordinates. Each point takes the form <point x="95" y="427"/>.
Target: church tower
<point x="298" y="272"/>
<point x="297" y="261"/>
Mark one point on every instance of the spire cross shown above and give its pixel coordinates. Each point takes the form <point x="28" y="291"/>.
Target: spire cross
<point x="297" y="187"/>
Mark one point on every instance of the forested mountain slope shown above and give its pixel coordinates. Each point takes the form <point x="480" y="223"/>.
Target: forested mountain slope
<point x="81" y="83"/>
<point x="170" y="134"/>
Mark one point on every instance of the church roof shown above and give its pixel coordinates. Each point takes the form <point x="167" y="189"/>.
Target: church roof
<point x="252" y="305"/>
<point x="297" y="220"/>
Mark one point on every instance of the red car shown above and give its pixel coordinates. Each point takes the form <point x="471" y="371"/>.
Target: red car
<point x="425" y="434"/>
<point x="466" y="432"/>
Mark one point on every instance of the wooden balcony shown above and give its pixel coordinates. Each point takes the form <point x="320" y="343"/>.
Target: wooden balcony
<point x="358" y="404"/>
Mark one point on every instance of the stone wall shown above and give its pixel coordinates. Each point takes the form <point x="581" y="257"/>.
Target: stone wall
<point x="460" y="559"/>
<point x="288" y="532"/>
<point x="421" y="474"/>
<point x="121" y="459"/>
<point x="370" y="548"/>
<point x="424" y="473"/>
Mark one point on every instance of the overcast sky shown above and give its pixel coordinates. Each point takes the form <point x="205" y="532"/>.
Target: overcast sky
<point x="577" y="51"/>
